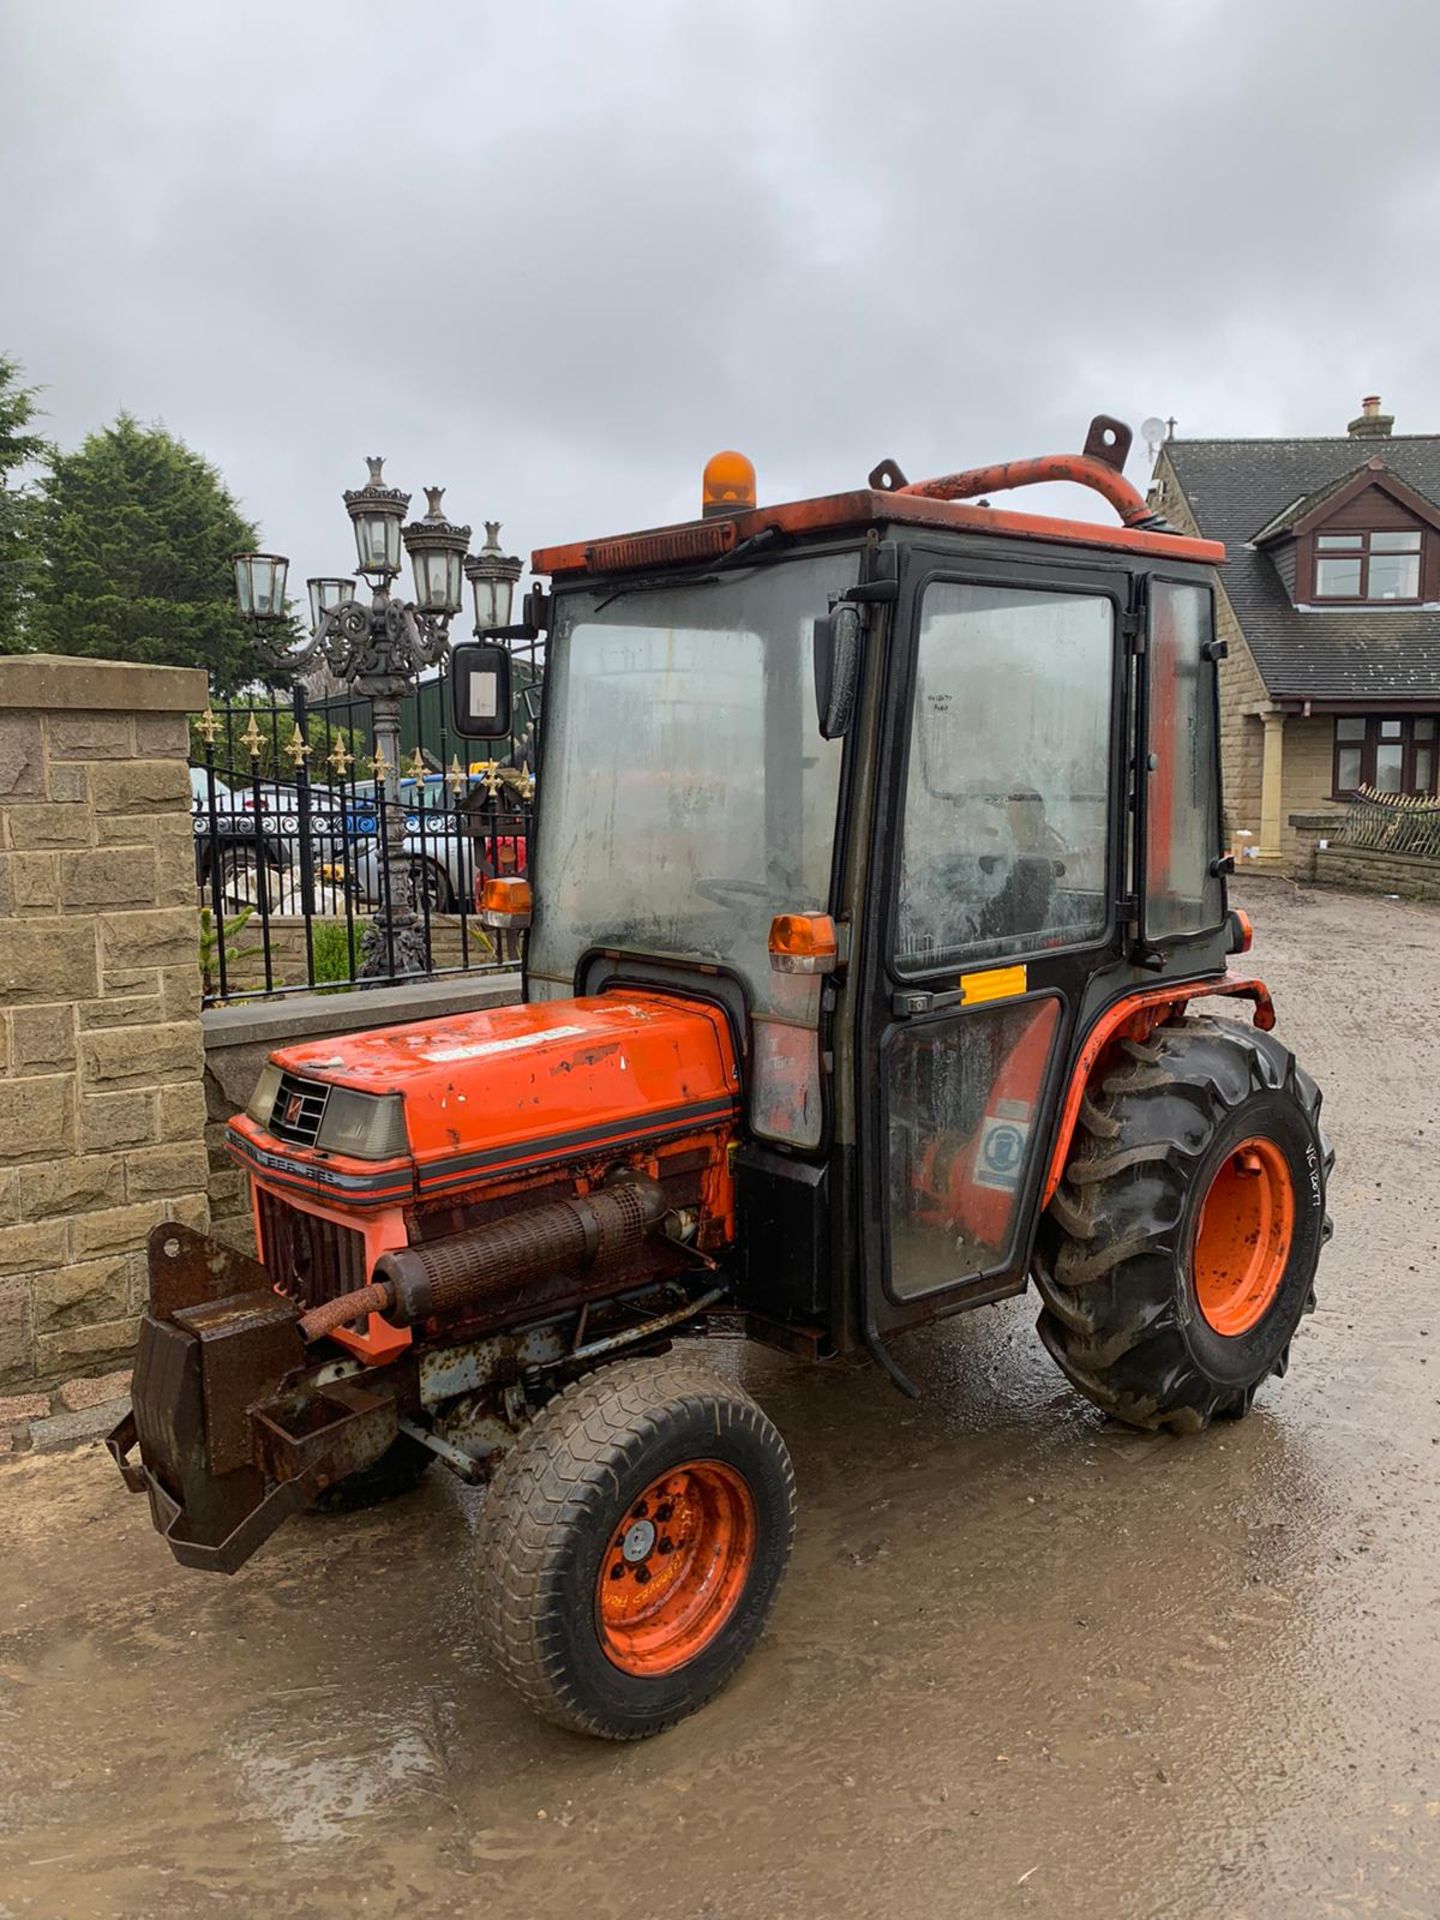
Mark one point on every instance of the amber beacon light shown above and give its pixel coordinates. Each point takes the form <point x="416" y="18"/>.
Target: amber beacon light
<point x="729" y="485"/>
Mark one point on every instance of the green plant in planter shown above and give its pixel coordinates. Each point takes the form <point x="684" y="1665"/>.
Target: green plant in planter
<point x="212" y="934"/>
<point x="335" y="951"/>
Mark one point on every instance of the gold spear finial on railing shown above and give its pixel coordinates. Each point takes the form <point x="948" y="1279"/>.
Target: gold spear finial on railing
<point x="381" y="766"/>
<point x="416" y="769"/>
<point x="525" y="783"/>
<point x="207" y="726"/>
<point x="340" y="758"/>
<point x="456" y="778"/>
<point x="253" y="739"/>
<point x="299" y="748"/>
<point x="490" y="778"/>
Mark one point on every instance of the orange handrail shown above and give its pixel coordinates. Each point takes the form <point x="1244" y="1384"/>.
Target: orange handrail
<point x="1084" y="469"/>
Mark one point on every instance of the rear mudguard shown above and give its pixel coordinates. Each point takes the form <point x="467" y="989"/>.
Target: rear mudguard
<point x="1133" y="1015"/>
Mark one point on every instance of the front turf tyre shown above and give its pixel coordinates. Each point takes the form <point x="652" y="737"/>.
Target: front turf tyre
<point x="1180" y="1249"/>
<point x="633" y="1541"/>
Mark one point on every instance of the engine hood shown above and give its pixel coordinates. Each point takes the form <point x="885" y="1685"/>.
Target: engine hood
<point x="517" y="1085"/>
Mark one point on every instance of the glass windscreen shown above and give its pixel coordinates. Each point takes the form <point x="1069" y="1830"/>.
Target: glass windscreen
<point x="1007" y="795"/>
<point x="688" y="796"/>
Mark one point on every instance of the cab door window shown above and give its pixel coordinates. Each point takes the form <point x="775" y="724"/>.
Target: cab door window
<point x="961" y="1096"/>
<point x="1007" y="797"/>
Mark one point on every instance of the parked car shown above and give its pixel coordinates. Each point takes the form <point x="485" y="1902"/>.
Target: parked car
<point x="225" y="837"/>
<point x="260" y="852"/>
<point x="454" y="849"/>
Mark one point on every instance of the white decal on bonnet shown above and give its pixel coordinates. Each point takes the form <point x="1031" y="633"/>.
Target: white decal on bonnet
<point x="481" y="1049"/>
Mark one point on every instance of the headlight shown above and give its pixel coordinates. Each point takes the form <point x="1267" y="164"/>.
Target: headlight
<point x="262" y="1101"/>
<point x="368" y="1126"/>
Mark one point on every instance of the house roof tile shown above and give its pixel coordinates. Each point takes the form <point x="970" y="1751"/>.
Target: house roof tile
<point x="1239" y="489"/>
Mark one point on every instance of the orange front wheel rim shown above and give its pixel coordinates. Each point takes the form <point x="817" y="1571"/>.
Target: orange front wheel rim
<point x="1242" y="1244"/>
<point x="674" y="1567"/>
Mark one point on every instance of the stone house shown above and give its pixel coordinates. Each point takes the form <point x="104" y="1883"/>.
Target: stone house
<point x="1330" y="604"/>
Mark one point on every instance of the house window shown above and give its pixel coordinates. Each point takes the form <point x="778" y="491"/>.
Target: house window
<point x="1389" y="755"/>
<point x="1367" y="566"/>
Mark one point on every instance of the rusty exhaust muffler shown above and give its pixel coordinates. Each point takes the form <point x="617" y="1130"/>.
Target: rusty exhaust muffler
<point x="420" y="1283"/>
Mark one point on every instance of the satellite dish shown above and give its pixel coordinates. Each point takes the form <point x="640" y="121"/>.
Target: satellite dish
<point x="1152" y="432"/>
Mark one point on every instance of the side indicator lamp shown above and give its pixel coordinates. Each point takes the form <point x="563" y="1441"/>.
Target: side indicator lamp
<point x="506" y="904"/>
<point x="803" y="943"/>
<point x="728" y="486"/>
<point x="1242" y="933"/>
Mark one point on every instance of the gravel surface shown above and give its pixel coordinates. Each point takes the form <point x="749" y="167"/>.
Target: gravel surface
<point x="1027" y="1663"/>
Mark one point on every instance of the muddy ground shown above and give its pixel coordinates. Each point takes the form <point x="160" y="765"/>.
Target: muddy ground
<point x="1027" y="1663"/>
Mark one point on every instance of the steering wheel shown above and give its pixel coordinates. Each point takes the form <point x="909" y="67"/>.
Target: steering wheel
<point x="722" y="891"/>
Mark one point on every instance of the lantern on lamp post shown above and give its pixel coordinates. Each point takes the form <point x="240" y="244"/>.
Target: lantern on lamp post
<point x="376" y="512"/>
<point x="492" y="576"/>
<point x="325" y="596"/>
<point x="260" y="585"/>
<point x="437" y="551"/>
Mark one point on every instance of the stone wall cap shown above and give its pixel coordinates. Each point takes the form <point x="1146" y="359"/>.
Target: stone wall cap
<point x="301" y="1016"/>
<point x="1379" y="857"/>
<point x="1318" y="817"/>
<point x="75" y="683"/>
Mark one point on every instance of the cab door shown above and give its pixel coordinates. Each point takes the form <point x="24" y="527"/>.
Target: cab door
<point x="995" y="850"/>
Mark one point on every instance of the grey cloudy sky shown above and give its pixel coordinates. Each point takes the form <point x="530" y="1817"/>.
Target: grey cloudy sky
<point x="555" y="254"/>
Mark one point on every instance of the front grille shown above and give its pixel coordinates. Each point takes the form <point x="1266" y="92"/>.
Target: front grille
<point x="298" y="1110"/>
<point x="311" y="1258"/>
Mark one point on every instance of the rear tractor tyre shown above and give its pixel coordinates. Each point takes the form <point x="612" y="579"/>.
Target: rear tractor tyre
<point x="633" y="1542"/>
<point x="1180" y="1249"/>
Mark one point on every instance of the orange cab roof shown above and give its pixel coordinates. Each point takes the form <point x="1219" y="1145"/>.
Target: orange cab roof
<point x="700" y="540"/>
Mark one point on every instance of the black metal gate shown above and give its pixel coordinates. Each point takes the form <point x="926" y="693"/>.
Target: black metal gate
<point x="291" y="854"/>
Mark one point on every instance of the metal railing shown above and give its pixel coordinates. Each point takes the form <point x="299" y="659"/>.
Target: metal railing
<point x="292" y="857"/>
<point x="1393" y="823"/>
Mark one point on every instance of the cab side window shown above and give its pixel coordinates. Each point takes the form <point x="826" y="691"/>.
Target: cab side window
<point x="1007" y="795"/>
<point x="1182" y="821"/>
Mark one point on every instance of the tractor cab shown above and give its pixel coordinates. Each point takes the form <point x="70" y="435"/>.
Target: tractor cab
<point x="913" y="789"/>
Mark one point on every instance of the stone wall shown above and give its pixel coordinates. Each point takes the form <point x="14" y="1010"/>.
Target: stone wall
<point x="1410" y="875"/>
<point x="1310" y="831"/>
<point x="102" y="1104"/>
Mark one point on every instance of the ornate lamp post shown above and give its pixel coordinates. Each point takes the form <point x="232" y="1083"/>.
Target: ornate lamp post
<point x="378" y="650"/>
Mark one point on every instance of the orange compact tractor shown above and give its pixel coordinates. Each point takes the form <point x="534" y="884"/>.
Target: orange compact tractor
<point x="877" y="875"/>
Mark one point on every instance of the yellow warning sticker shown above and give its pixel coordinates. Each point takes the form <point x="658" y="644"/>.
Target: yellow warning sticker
<point x="999" y="983"/>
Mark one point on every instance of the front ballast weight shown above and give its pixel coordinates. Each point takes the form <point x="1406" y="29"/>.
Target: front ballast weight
<point x="240" y="1420"/>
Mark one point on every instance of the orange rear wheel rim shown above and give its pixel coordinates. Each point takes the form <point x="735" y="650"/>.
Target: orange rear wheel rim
<point x="1242" y="1243"/>
<point x="674" y="1567"/>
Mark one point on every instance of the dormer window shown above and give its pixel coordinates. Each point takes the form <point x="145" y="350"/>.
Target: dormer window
<point x="1367" y="566"/>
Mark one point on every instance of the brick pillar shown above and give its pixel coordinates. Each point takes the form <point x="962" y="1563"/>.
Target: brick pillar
<point x="102" y="1104"/>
